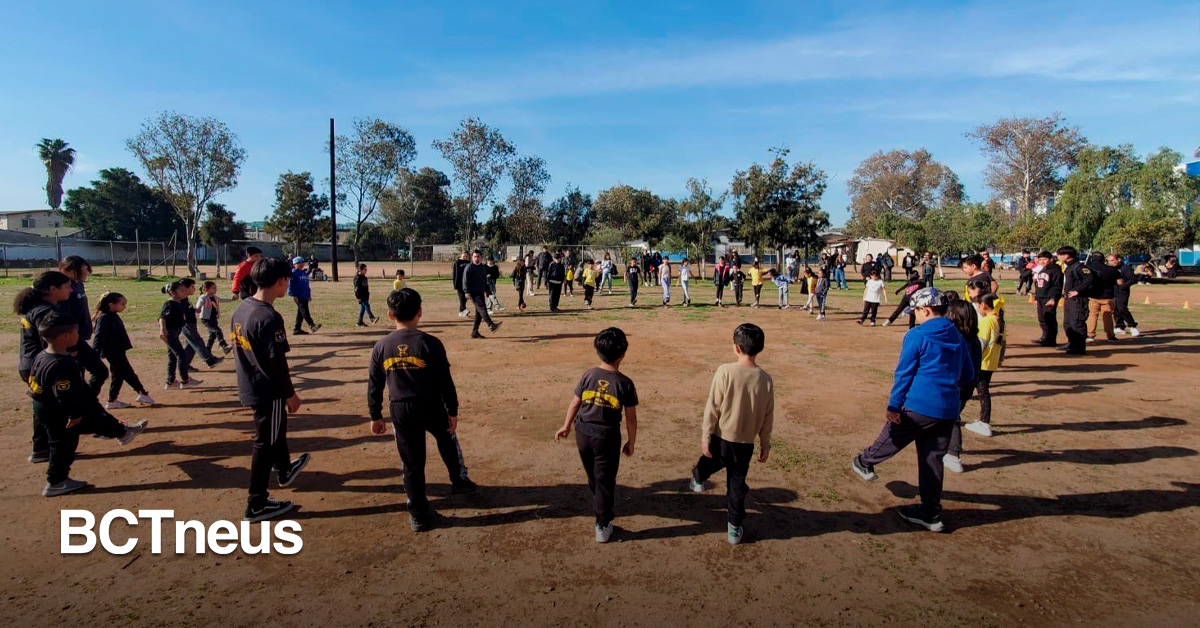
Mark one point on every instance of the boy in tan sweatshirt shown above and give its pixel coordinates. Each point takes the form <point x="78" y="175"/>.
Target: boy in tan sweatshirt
<point x="741" y="406"/>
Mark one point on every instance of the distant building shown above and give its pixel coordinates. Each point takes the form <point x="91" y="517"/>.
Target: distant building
<point x="43" y="222"/>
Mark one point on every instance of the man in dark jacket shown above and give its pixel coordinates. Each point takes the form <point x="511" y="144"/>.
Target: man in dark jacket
<point x="1048" y="285"/>
<point x="456" y="278"/>
<point x="1121" y="314"/>
<point x="475" y="283"/>
<point x="555" y="273"/>
<point x="1102" y="297"/>
<point x="1077" y="284"/>
<point x="543" y="266"/>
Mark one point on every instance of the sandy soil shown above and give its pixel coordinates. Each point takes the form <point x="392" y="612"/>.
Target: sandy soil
<point x="1081" y="510"/>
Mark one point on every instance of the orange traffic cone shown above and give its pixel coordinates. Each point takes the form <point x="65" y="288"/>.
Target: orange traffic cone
<point x="1146" y="302"/>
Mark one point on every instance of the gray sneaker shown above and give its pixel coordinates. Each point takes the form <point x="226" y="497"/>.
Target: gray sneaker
<point x="39" y="456"/>
<point x="734" y="534"/>
<point x="132" y="431"/>
<point x="603" y="534"/>
<point x="62" y="488"/>
<point x="694" y="486"/>
<point x="864" y="471"/>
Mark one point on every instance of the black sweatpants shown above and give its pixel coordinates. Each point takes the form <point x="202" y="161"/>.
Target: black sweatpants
<point x="410" y="422"/>
<point x="481" y="311"/>
<point x="1048" y="320"/>
<point x="63" y="441"/>
<point x="600" y="453"/>
<point x="633" y="288"/>
<point x="303" y="315"/>
<point x="122" y="372"/>
<point x="215" y="335"/>
<point x="1075" y="313"/>
<point x="735" y="459"/>
<point x="720" y="290"/>
<point x="933" y="439"/>
<point x="92" y="365"/>
<point x="588" y="292"/>
<point x="555" y="294"/>
<point x="984" y="388"/>
<point x="869" y="309"/>
<point x="757" y="293"/>
<point x="1122" y="317"/>
<point x="40" y="443"/>
<point x="904" y="301"/>
<point x="177" y="357"/>
<point x="270" y="449"/>
<point x="462" y="300"/>
<point x="738" y="289"/>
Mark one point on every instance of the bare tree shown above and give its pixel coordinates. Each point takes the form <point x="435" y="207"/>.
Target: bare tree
<point x="527" y="217"/>
<point x="1027" y="156"/>
<point x="700" y="213"/>
<point x="901" y="184"/>
<point x="479" y="156"/>
<point x="368" y="163"/>
<point x="191" y="161"/>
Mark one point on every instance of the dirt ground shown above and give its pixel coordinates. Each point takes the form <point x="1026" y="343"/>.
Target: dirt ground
<point x="1080" y="511"/>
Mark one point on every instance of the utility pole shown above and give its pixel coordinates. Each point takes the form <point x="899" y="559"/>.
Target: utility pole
<point x="333" y="239"/>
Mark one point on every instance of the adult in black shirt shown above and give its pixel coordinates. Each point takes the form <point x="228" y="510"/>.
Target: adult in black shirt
<point x="1024" y="273"/>
<point x="78" y="270"/>
<point x="475" y="283"/>
<point x="456" y="279"/>
<point x="555" y="274"/>
<point x="543" y="263"/>
<point x="1122" y="317"/>
<point x="265" y="384"/>
<point x="1048" y="289"/>
<point x="1101" y="300"/>
<point x="413" y="367"/>
<point x="869" y="267"/>
<point x="1077" y="284"/>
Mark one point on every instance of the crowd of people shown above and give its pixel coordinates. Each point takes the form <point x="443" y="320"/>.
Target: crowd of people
<point x="955" y="345"/>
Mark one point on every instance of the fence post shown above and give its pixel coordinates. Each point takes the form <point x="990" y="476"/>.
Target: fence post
<point x="137" y="250"/>
<point x="112" y="257"/>
<point x="6" y="260"/>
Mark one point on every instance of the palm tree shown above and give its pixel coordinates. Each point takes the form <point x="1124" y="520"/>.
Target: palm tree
<point x="58" y="158"/>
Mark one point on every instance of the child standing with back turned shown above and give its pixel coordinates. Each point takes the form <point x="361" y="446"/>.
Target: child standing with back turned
<point x="602" y="395"/>
<point x="741" y="407"/>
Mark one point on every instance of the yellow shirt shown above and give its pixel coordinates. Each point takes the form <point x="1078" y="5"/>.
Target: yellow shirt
<point x="812" y="284"/>
<point x="398" y="284"/>
<point x="989" y="336"/>
<point x="570" y="275"/>
<point x="755" y="276"/>
<point x="589" y="277"/>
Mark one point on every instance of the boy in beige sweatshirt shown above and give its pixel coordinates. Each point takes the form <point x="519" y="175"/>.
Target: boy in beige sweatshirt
<point x="741" y="406"/>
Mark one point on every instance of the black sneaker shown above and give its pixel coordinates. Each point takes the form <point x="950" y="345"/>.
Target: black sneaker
<point x="39" y="456"/>
<point x="269" y="510"/>
<point x="215" y="361"/>
<point x="422" y="524"/>
<point x="914" y="514"/>
<point x="476" y="334"/>
<point x="494" y="326"/>
<point x="465" y="486"/>
<point x="297" y="466"/>
<point x="864" y="470"/>
<point x="227" y="349"/>
<point x="316" y="328"/>
<point x="299" y="332"/>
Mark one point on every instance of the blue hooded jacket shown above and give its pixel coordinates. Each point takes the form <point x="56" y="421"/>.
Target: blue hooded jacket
<point x="298" y="287"/>
<point x="934" y="363"/>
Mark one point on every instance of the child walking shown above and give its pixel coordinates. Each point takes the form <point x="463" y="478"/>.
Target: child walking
<point x="720" y="278"/>
<point x="822" y="291"/>
<point x="589" y="282"/>
<point x="991" y="338"/>
<point x="664" y="278"/>
<point x="924" y="405"/>
<point x="171" y="321"/>
<point x="756" y="282"/>
<point x="781" y="282"/>
<point x="914" y="283"/>
<point x="362" y="293"/>
<point x="737" y="279"/>
<point x="412" y="367"/>
<point x="208" y="308"/>
<point x="685" y="279"/>
<point x="32" y="304"/>
<point x="265" y="384"/>
<point x="111" y="342"/>
<point x="301" y="293"/>
<point x="810" y="285"/>
<point x="602" y="395"/>
<point x="740" y="408"/>
<point x="518" y="281"/>
<point x="632" y="272"/>
<point x="872" y="294"/>
<point x="398" y="282"/>
<point x="493" y="275"/>
<point x="67" y="406"/>
<point x="966" y="320"/>
<point x="191" y="328"/>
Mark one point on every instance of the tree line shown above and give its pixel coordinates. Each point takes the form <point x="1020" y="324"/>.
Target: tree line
<point x="1102" y="197"/>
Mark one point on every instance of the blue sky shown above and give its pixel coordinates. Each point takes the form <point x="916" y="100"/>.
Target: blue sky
<point x="643" y="93"/>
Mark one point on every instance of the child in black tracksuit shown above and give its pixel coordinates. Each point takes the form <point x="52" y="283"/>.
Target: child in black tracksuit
<point x="111" y="342"/>
<point x="601" y="397"/>
<point x="413" y="367"/>
<point x="66" y="405"/>
<point x="914" y="283"/>
<point x="362" y="293"/>
<point x="260" y="347"/>
<point x="33" y="304"/>
<point x="171" y="321"/>
<point x="208" y="307"/>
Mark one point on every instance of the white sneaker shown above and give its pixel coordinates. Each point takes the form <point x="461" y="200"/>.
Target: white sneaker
<point x="979" y="427"/>
<point x="132" y="431"/>
<point x="115" y="405"/>
<point x="462" y="314"/>
<point x="887" y="323"/>
<point x="1133" y="331"/>
<point x="733" y="534"/>
<point x="872" y="323"/>
<point x="1120" y="331"/>
<point x="952" y="463"/>
<point x="62" y="488"/>
<point x="145" y="399"/>
<point x="1090" y="339"/>
<point x="694" y="486"/>
<point x="605" y="533"/>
